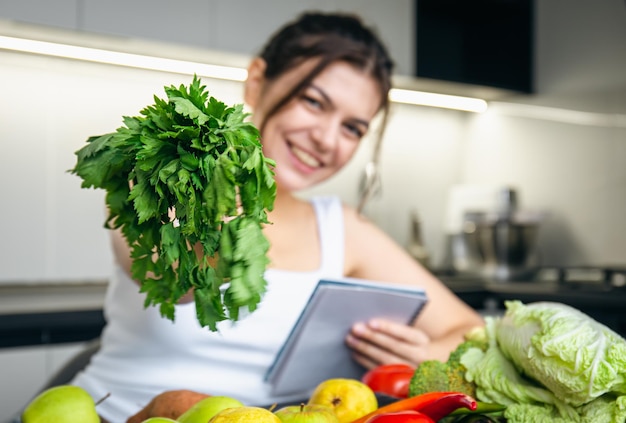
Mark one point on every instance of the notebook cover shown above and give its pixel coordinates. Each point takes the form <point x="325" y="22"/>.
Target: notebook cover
<point x="315" y="350"/>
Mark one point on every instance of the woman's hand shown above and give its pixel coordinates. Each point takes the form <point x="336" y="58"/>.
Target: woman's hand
<point x="381" y="341"/>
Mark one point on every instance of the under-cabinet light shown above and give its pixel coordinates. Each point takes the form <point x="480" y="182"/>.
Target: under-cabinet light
<point x="557" y="114"/>
<point x="132" y="60"/>
<point x="230" y="73"/>
<point x="445" y="101"/>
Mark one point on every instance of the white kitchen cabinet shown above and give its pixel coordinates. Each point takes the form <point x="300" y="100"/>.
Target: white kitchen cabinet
<point x="59" y="13"/>
<point x="25" y="370"/>
<point x="239" y="26"/>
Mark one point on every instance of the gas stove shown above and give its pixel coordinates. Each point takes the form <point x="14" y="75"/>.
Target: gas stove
<point x="584" y="277"/>
<point x="597" y="291"/>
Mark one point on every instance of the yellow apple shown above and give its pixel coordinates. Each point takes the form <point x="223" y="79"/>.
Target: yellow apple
<point x="244" y="415"/>
<point x="307" y="413"/>
<point x="61" y="404"/>
<point x="350" y="398"/>
<point x="203" y="410"/>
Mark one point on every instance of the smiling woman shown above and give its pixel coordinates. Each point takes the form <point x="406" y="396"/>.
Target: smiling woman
<point x="314" y="91"/>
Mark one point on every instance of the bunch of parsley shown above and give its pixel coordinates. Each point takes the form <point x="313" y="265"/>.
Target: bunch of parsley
<point x="194" y="156"/>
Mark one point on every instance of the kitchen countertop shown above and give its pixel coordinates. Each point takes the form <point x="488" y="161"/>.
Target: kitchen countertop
<point x="49" y="313"/>
<point x="44" y="313"/>
<point x="18" y="298"/>
<point x="575" y="295"/>
<point x="600" y="301"/>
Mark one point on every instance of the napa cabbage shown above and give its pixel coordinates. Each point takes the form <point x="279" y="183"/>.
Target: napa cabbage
<point x="550" y="362"/>
<point x="575" y="357"/>
<point x="605" y="409"/>
<point x="498" y="381"/>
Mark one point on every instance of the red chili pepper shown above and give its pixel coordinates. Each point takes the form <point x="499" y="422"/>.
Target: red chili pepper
<point x="450" y="401"/>
<point x="390" y="379"/>
<point x="409" y="416"/>
<point x="440" y="408"/>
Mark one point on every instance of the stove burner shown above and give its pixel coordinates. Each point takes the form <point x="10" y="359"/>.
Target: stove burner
<point x="605" y="278"/>
<point x="597" y="291"/>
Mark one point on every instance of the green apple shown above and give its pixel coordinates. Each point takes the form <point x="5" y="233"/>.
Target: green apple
<point x="203" y="410"/>
<point x="307" y="413"/>
<point x="61" y="404"/>
<point x="159" y="420"/>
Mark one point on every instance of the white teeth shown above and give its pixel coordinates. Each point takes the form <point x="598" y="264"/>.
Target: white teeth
<point x="305" y="157"/>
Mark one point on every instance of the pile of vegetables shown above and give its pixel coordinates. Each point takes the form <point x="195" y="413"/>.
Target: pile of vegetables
<point x="187" y="174"/>
<point x="426" y="408"/>
<point x="544" y="361"/>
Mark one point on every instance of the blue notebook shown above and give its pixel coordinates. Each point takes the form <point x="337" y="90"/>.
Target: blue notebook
<point x="315" y="350"/>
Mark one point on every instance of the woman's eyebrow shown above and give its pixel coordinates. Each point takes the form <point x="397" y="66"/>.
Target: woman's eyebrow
<point x="328" y="100"/>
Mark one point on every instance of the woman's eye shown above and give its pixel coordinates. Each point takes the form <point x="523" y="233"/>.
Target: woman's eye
<point x="313" y="102"/>
<point x="354" y="130"/>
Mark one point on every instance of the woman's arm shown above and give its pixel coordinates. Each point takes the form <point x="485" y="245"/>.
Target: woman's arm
<point x="121" y="250"/>
<point x="371" y="254"/>
<point x="121" y="254"/>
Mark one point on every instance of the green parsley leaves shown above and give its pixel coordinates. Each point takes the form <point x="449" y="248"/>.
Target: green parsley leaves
<point x="194" y="156"/>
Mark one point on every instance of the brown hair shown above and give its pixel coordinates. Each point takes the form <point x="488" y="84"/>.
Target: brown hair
<point x="330" y="37"/>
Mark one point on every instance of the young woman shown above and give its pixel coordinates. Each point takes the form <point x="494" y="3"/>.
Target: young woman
<point x="314" y="90"/>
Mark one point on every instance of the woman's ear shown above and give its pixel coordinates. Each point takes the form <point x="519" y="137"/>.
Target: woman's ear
<point x="254" y="82"/>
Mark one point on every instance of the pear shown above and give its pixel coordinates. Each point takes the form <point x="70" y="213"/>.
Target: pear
<point x="307" y="413"/>
<point x="61" y="404"/>
<point x="350" y="398"/>
<point x="203" y="410"/>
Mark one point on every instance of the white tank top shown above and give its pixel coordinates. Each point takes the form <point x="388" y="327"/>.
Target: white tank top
<point x="143" y="354"/>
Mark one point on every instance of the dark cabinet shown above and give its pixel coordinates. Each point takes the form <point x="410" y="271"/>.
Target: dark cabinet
<point x="478" y="42"/>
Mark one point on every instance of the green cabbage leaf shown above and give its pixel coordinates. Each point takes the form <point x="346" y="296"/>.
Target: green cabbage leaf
<point x="605" y="409"/>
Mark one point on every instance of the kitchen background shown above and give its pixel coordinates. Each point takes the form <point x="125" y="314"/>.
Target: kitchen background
<point x="563" y="148"/>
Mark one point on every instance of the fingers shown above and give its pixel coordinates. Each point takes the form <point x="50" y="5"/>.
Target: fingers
<point x="398" y="331"/>
<point x="384" y="342"/>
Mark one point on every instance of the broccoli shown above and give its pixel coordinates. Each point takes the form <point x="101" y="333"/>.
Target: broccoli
<point x="429" y="376"/>
<point x="435" y="375"/>
<point x="456" y="379"/>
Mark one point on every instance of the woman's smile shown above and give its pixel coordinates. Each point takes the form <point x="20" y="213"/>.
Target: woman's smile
<point x="304" y="157"/>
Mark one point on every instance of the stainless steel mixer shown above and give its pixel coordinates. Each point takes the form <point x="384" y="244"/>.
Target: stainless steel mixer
<point x="504" y="245"/>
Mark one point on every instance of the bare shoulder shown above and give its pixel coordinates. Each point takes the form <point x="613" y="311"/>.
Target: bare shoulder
<point x="369" y="248"/>
<point x="359" y="228"/>
<point x="373" y="254"/>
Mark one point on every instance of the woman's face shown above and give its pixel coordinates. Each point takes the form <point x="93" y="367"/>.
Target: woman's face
<point x="314" y="135"/>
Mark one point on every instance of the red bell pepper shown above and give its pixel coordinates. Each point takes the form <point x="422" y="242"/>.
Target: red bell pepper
<point x="390" y="379"/>
<point x="409" y="416"/>
<point x="436" y="405"/>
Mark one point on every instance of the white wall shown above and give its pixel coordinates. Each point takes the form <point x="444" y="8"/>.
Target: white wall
<point x="52" y="228"/>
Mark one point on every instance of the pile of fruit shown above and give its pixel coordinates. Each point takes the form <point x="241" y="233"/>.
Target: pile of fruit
<point x="333" y="401"/>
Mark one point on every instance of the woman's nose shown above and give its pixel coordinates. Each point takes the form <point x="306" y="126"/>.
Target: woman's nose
<point x="326" y="135"/>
